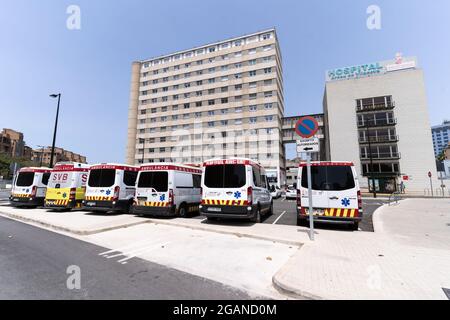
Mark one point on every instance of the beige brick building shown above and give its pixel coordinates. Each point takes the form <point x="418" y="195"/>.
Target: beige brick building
<point x="223" y="99"/>
<point x="42" y="156"/>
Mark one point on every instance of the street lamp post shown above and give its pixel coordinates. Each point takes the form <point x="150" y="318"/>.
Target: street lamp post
<point x="56" y="127"/>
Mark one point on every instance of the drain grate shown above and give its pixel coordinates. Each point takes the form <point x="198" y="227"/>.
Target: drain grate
<point x="447" y="292"/>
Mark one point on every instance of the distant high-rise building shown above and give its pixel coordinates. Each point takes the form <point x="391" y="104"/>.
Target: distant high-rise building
<point x="42" y="156"/>
<point x="440" y="134"/>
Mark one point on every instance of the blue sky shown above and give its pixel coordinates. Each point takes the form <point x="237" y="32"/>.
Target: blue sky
<point x="91" y="66"/>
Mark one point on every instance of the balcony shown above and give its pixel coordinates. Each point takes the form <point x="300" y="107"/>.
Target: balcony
<point x="377" y="123"/>
<point x="376" y="107"/>
<point x="381" y="156"/>
<point x="378" y="139"/>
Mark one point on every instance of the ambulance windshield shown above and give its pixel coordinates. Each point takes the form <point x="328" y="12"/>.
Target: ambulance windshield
<point x="153" y="179"/>
<point x="25" y="179"/>
<point x="225" y="176"/>
<point x="102" y="178"/>
<point x="333" y="178"/>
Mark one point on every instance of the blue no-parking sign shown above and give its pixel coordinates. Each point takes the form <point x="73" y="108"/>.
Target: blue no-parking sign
<point x="306" y="127"/>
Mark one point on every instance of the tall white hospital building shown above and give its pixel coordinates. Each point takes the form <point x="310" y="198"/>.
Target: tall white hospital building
<point x="376" y="115"/>
<point x="223" y="99"/>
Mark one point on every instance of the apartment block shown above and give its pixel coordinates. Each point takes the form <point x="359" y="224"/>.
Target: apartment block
<point x="223" y="99"/>
<point x="12" y="143"/>
<point x="42" y="156"/>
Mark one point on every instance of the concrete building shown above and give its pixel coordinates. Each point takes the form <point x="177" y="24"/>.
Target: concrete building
<point x="379" y="111"/>
<point x="440" y="134"/>
<point x="12" y="143"/>
<point x="42" y="156"/>
<point x="223" y="99"/>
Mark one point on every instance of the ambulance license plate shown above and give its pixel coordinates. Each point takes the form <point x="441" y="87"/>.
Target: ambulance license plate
<point x="317" y="212"/>
<point x="90" y="203"/>
<point x="215" y="209"/>
<point x="15" y="199"/>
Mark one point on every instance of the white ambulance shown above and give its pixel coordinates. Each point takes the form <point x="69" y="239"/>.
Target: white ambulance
<point x="67" y="185"/>
<point x="110" y="187"/>
<point x="235" y="188"/>
<point x="336" y="196"/>
<point x="30" y="186"/>
<point x="167" y="190"/>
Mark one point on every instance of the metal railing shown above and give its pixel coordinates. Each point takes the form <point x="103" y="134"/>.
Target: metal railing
<point x="381" y="155"/>
<point x="376" y="123"/>
<point x="381" y="139"/>
<point x="374" y="107"/>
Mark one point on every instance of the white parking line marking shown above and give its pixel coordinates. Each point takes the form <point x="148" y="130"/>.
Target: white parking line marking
<point x="279" y="217"/>
<point x="283" y="199"/>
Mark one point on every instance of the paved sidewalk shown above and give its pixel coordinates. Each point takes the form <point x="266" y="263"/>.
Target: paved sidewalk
<point x="407" y="257"/>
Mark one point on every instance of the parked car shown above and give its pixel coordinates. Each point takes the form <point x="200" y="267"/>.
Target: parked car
<point x="275" y="192"/>
<point x="29" y="187"/>
<point x="291" y="192"/>
<point x="235" y="188"/>
<point x="110" y="187"/>
<point x="336" y="196"/>
<point x="167" y="190"/>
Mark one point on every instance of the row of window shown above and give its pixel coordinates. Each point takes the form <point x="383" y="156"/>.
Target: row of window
<point x="237" y="98"/>
<point x="211" y="124"/>
<point x="186" y="148"/>
<point x="210" y="49"/>
<point x="209" y="81"/>
<point x="252" y="108"/>
<point x="225" y="67"/>
<point x="255" y="157"/>
<point x="199" y="136"/>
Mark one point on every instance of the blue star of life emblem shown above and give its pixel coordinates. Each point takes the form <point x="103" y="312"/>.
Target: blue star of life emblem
<point x="237" y="194"/>
<point x="345" y="202"/>
<point x="64" y="195"/>
<point x="162" y="197"/>
<point x="108" y="192"/>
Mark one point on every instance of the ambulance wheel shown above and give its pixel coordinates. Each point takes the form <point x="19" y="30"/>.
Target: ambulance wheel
<point x="182" y="212"/>
<point x="355" y="226"/>
<point x="257" y="217"/>
<point x="301" y="221"/>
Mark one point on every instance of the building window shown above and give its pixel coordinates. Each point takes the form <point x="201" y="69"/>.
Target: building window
<point x="224" y="89"/>
<point x="252" y="108"/>
<point x="224" y="100"/>
<point x="252" y="120"/>
<point x="211" y="124"/>
<point x="198" y="104"/>
<point x="252" y="84"/>
<point x="252" y="73"/>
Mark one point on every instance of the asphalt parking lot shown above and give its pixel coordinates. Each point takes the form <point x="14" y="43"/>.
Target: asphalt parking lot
<point x="285" y="214"/>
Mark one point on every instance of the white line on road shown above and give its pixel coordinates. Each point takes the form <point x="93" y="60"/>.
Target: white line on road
<point x="279" y="217"/>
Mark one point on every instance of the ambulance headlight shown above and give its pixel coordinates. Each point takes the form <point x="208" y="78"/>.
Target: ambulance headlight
<point x="249" y="208"/>
<point x="31" y="199"/>
<point x="113" y="202"/>
<point x="200" y="206"/>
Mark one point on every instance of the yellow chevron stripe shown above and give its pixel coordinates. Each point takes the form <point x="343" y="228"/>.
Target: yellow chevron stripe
<point x="352" y="213"/>
<point x="338" y="212"/>
<point x="345" y="213"/>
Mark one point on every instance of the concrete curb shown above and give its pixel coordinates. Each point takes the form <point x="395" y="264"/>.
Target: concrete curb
<point x="64" y="229"/>
<point x="237" y="234"/>
<point x="150" y="220"/>
<point x="289" y="290"/>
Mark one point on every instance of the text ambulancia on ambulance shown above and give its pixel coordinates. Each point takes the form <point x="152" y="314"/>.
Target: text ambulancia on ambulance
<point x="336" y="196"/>
<point x="167" y="189"/>
<point x="110" y="187"/>
<point x="67" y="185"/>
<point x="235" y="188"/>
<point x="29" y="187"/>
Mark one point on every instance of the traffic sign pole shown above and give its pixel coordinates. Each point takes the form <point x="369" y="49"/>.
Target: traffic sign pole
<point x="311" y="215"/>
<point x="306" y="127"/>
<point x="431" y="184"/>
